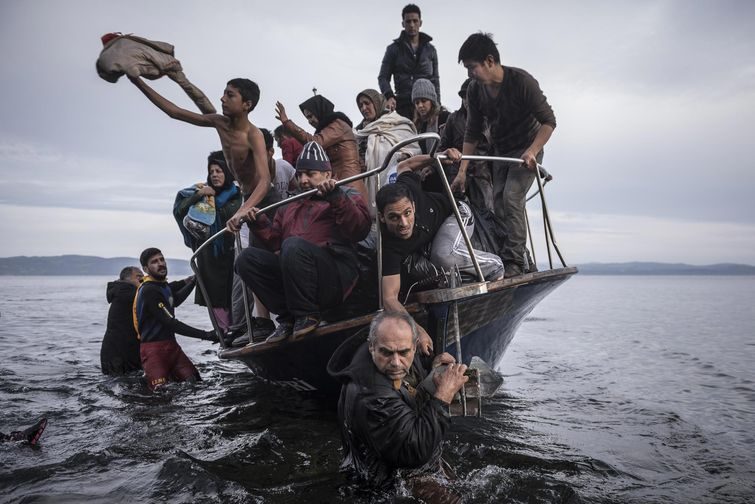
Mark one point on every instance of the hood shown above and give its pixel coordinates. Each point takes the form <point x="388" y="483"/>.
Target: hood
<point x="119" y="289"/>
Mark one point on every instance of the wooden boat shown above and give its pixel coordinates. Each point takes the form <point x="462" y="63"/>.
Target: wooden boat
<point x="476" y="319"/>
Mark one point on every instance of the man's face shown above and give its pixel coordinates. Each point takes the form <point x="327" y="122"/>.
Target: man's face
<point x="393" y="349"/>
<point x="309" y="179"/>
<point x="411" y="23"/>
<point x="481" y="71"/>
<point x="136" y="277"/>
<point x="398" y="218"/>
<point x="232" y="102"/>
<point x="310" y="117"/>
<point x="156" y="267"/>
<point x="367" y="108"/>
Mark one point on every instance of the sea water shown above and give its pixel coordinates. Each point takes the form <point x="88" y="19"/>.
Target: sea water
<point x="618" y="389"/>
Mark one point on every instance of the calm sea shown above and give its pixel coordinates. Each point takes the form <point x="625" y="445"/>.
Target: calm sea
<point x="618" y="389"/>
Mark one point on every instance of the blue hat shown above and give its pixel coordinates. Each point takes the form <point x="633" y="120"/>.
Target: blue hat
<point x="313" y="157"/>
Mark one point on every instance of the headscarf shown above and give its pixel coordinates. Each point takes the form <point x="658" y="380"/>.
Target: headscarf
<point x="218" y="158"/>
<point x="320" y="106"/>
<point x="377" y="99"/>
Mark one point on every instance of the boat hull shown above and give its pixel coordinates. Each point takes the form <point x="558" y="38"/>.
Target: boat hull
<point x="487" y="323"/>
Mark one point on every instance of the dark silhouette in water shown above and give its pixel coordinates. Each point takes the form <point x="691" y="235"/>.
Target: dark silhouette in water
<point x="31" y="434"/>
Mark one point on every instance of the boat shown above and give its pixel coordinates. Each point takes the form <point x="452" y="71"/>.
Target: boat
<point x="469" y="320"/>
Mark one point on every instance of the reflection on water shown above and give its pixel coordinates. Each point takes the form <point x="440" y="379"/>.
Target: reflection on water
<point x="618" y="389"/>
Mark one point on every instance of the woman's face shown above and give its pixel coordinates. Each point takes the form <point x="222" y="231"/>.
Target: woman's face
<point x="311" y="119"/>
<point x="217" y="176"/>
<point x="423" y="106"/>
<point x="367" y="108"/>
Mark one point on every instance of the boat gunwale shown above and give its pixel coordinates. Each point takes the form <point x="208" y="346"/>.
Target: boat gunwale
<point x="415" y="305"/>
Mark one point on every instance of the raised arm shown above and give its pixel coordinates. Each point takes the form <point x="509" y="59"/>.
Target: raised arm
<point x="171" y="109"/>
<point x="418" y="162"/>
<point x="391" y="285"/>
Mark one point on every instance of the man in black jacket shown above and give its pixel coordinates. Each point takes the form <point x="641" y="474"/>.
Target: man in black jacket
<point x="390" y="420"/>
<point x="154" y="319"/>
<point x="409" y="57"/>
<point x="120" y="345"/>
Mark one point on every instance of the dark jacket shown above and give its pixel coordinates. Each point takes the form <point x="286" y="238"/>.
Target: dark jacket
<point x="406" y="66"/>
<point x="385" y="430"/>
<point x="120" y="346"/>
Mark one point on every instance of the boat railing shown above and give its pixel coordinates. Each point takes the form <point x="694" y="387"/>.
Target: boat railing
<point x="481" y="285"/>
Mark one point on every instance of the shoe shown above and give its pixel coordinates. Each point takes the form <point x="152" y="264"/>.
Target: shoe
<point x="240" y="341"/>
<point x="281" y="333"/>
<point x="261" y="329"/>
<point x="305" y="325"/>
<point x="512" y="270"/>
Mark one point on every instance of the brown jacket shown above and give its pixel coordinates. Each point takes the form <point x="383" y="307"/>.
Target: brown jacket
<point x="339" y="142"/>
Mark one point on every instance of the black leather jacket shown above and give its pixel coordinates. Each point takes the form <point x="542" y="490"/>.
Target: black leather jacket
<point x="385" y="430"/>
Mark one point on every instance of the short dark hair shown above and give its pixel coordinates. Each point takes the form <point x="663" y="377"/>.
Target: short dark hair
<point x="280" y="132"/>
<point x="392" y="193"/>
<point x="410" y="9"/>
<point x="148" y="254"/>
<point x="127" y="272"/>
<point x="249" y="90"/>
<point x="477" y="47"/>
<point x="268" y="138"/>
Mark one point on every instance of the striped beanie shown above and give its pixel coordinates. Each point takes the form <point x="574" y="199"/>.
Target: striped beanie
<point x="313" y="157"/>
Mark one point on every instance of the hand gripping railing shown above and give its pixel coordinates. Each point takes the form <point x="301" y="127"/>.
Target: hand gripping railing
<point x="306" y="194"/>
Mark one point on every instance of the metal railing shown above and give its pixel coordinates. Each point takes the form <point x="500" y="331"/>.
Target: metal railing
<point x="549" y="235"/>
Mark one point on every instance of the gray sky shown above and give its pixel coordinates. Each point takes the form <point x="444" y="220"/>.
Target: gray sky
<point x="655" y="104"/>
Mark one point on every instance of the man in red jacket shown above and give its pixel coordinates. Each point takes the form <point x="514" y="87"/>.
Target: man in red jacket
<point x="315" y="266"/>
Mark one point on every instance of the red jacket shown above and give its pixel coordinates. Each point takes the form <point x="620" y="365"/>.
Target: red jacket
<point x="291" y="148"/>
<point x="339" y="218"/>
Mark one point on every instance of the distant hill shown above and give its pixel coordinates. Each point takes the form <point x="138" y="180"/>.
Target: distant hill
<point x="79" y="265"/>
<point x="653" y="268"/>
<point x="92" y="265"/>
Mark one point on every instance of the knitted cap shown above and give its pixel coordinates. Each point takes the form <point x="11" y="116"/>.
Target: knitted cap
<point x="423" y="88"/>
<point x="313" y="157"/>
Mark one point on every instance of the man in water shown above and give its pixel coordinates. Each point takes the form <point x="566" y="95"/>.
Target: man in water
<point x="411" y="219"/>
<point x="393" y="417"/>
<point x="154" y="307"/>
<point x="409" y="57"/>
<point x="119" y="354"/>
<point x="242" y="142"/>
<point x="509" y="101"/>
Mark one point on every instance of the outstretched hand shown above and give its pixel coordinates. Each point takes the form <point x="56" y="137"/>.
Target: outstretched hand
<point x="280" y="112"/>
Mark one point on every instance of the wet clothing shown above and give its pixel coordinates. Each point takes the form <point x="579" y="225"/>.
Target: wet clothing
<point x="385" y="430"/>
<point x="31" y="434"/>
<point x="407" y="65"/>
<point x="514" y="117"/>
<point x="119" y="353"/>
<point x="164" y="361"/>
<point x="317" y="265"/>
<point x="162" y="357"/>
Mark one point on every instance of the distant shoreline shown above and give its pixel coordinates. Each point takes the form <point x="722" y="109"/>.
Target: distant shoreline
<point x="81" y="265"/>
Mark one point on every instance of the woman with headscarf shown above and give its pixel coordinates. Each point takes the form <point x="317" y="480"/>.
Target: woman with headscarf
<point x="216" y="261"/>
<point x="429" y="116"/>
<point x="378" y="132"/>
<point x="332" y="131"/>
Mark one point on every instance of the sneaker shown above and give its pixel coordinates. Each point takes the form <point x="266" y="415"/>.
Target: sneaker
<point x="305" y="325"/>
<point x="242" y="340"/>
<point x="281" y="333"/>
<point x="261" y="329"/>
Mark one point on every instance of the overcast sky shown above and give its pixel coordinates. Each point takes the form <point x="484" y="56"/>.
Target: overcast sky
<point x="655" y="102"/>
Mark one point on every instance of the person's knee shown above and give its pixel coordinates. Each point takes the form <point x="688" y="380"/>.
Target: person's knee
<point x="247" y="262"/>
<point x="295" y="252"/>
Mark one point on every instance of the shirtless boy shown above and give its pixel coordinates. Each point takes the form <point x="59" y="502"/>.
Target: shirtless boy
<point x="242" y="142"/>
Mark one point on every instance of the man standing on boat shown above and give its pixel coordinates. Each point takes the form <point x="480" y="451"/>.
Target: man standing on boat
<point x="316" y="265"/>
<point x="393" y="417"/>
<point x="163" y="359"/>
<point x="411" y="220"/>
<point x="521" y="121"/>
<point x="409" y="57"/>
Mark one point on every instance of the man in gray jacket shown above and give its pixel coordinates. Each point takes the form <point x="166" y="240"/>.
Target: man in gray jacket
<point x="409" y="57"/>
